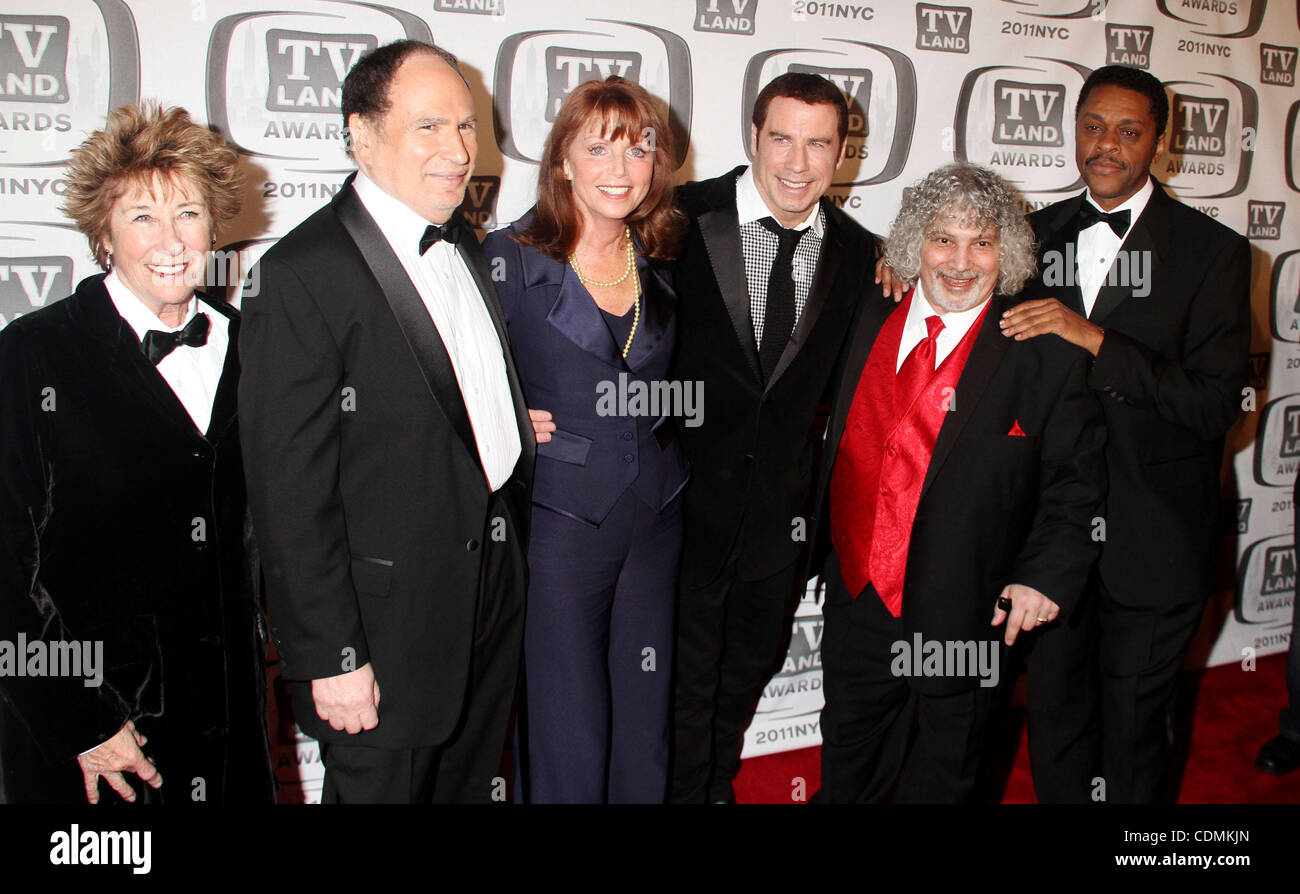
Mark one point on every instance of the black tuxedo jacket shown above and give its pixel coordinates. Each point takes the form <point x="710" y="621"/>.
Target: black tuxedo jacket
<point x="363" y="474"/>
<point x="995" y="508"/>
<point x="121" y="522"/>
<point x="753" y="458"/>
<point x="1169" y="375"/>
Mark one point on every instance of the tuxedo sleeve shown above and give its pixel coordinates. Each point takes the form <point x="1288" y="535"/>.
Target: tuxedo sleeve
<point x="1201" y="391"/>
<point x="291" y="394"/>
<point x="1064" y="539"/>
<point x="63" y="714"/>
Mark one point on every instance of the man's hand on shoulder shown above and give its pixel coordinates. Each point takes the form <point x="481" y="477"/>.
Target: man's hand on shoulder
<point x="1029" y="609"/>
<point x="1034" y="318"/>
<point x="890" y="285"/>
<point x="349" y="701"/>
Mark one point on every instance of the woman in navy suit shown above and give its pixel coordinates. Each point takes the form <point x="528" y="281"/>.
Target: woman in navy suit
<point x="584" y="281"/>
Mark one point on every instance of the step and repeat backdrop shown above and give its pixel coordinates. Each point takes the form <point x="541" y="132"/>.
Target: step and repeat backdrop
<point x="992" y="81"/>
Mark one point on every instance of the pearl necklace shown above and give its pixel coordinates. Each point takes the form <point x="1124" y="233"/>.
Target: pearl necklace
<point x="631" y="265"/>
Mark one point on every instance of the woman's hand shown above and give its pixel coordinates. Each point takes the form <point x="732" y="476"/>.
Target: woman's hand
<point x="112" y="758"/>
<point x="542" y="425"/>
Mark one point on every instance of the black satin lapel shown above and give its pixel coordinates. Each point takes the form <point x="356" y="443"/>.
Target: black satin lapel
<point x="577" y="317"/>
<point x="986" y="354"/>
<point x="471" y="252"/>
<point x="224" y="403"/>
<point x="1063" y="249"/>
<point x="1139" y="244"/>
<point x="658" y="307"/>
<point x="828" y="267"/>
<point x="721" y="231"/>
<point x="868" y="319"/>
<point x="412" y="316"/>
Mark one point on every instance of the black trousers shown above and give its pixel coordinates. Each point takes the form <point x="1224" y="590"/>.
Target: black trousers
<point x="1136" y="654"/>
<point x="732" y="635"/>
<point x="466" y="769"/>
<point x="867" y="724"/>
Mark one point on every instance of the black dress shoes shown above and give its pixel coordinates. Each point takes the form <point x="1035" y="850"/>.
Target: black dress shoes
<point x="1279" y="756"/>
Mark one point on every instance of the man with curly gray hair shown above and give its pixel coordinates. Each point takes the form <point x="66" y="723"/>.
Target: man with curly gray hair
<point x="963" y="474"/>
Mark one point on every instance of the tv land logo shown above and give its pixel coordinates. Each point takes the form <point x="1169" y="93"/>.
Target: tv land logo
<point x="28" y="283"/>
<point x="480" y="203"/>
<point x="1266" y="581"/>
<point x="1027" y="114"/>
<point x="1017" y="120"/>
<point x="1234" y="518"/>
<point x="567" y="67"/>
<point x="472" y="7"/>
<point x="1129" y="45"/>
<point x="1277" y="442"/>
<point x="1212" y="132"/>
<point x="1284" y="297"/>
<point x="1264" y="219"/>
<point x="1061" y="9"/>
<point x="1277" y="65"/>
<point x="1200" y="125"/>
<point x="1258" y="377"/>
<point x="60" y="74"/>
<point x="1246" y="15"/>
<point x="276" y="92"/>
<point x="943" y="28"/>
<point x="854" y="83"/>
<point x="1291" y="146"/>
<point x="536" y="70"/>
<point x="33" y="59"/>
<point x="725" y="16"/>
<point x="879" y="137"/>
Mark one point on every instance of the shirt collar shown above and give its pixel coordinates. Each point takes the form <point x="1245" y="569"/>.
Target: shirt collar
<point x="750" y="206"/>
<point x="956" y="323"/>
<point x="1134" y="203"/>
<point x="400" y="225"/>
<point x="132" y="309"/>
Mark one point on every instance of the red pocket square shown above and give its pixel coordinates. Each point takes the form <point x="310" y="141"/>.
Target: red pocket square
<point x="1016" y="431"/>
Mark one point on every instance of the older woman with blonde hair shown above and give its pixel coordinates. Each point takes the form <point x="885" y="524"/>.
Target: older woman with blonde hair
<point x="123" y="544"/>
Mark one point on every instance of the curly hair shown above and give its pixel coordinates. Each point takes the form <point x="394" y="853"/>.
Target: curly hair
<point x="627" y="110"/>
<point x="976" y="197"/>
<point x="137" y="142"/>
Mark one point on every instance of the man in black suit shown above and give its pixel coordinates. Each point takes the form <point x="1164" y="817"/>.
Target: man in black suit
<point x="389" y="454"/>
<point x="962" y="476"/>
<point x="1159" y="295"/>
<point x="768" y="278"/>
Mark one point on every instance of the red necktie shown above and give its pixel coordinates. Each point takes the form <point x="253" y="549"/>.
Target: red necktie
<point x="901" y="478"/>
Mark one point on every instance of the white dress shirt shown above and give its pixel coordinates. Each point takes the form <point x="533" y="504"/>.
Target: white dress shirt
<point x="191" y="373"/>
<point x="464" y="324"/>
<point x="1098" y="245"/>
<point x="956" y="323"/>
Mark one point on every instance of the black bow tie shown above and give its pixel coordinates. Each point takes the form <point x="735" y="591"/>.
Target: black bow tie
<point x="158" y="344"/>
<point x="1089" y="215"/>
<point x="433" y="233"/>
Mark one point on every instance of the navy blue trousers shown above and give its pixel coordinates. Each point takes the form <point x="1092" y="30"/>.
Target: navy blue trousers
<point x="598" y="638"/>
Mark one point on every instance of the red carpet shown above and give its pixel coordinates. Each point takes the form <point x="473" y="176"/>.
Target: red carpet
<point x="1231" y="712"/>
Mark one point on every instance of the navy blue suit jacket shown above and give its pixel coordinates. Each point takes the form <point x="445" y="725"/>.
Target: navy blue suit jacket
<point x="567" y="359"/>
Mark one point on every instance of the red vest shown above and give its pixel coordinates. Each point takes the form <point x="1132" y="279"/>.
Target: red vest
<point x="882" y="459"/>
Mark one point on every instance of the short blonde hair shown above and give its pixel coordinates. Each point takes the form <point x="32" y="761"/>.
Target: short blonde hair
<point x="137" y="142"/>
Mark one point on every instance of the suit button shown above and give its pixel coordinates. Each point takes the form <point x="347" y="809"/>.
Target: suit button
<point x="471" y="545"/>
<point x="892" y="450"/>
<point x="627" y="457"/>
<point x="749" y="457"/>
<point x="627" y="436"/>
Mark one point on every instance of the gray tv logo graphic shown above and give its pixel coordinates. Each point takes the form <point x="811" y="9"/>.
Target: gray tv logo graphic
<point x="1129" y="45"/>
<point x="1266" y="581"/>
<point x="1264" y="219"/>
<point x="33" y="59"/>
<point x="480" y="202"/>
<point x="1254" y="16"/>
<point x="1089" y="9"/>
<point x="1200" y="125"/>
<point x="854" y="83"/>
<point x="472" y="7"/>
<point x="943" y="28"/>
<point x="307" y="68"/>
<point x="29" y="283"/>
<point x="1028" y="114"/>
<point x="1277" y="65"/>
<point x="567" y="67"/>
<point x="725" y="16"/>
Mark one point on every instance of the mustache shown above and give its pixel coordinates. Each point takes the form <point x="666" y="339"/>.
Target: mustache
<point x="1111" y="159"/>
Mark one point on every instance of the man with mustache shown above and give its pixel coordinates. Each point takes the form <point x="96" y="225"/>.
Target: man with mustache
<point x="1159" y="295"/>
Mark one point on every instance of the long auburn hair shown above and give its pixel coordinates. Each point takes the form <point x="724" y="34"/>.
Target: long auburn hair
<point x="627" y="110"/>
